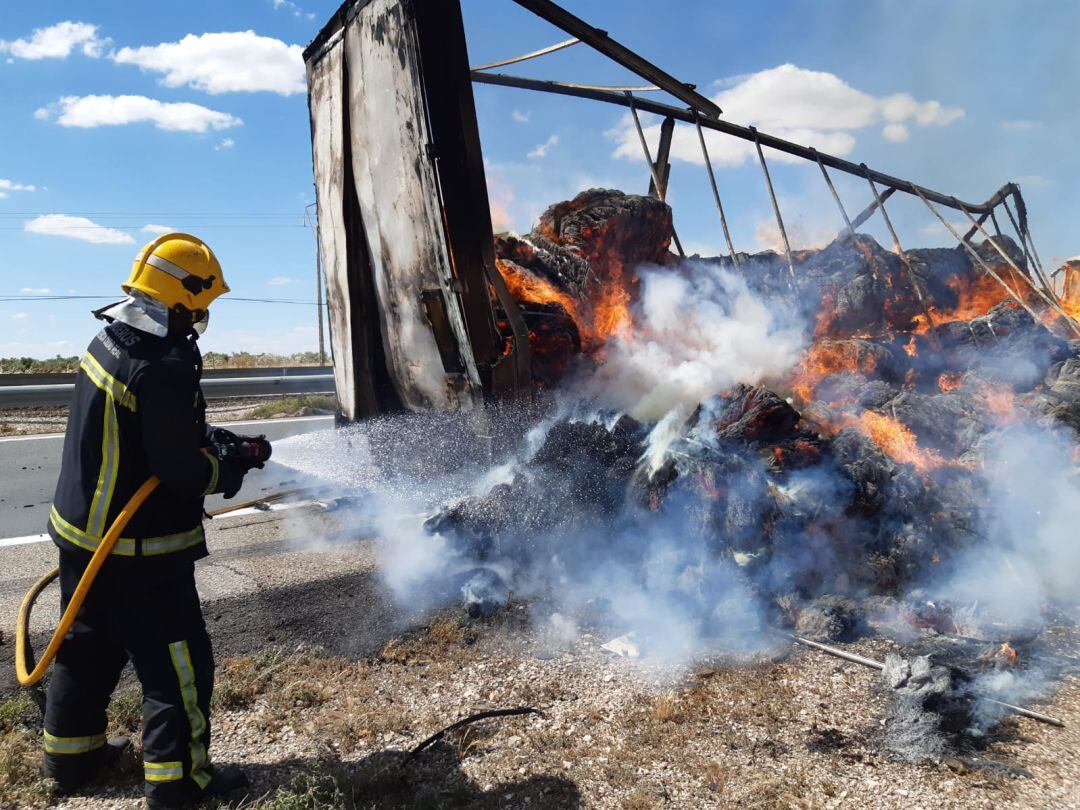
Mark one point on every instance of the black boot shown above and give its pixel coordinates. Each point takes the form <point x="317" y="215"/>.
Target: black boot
<point x="224" y="780"/>
<point x="97" y="761"/>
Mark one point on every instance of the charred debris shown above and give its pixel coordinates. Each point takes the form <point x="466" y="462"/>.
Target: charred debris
<point x="851" y="488"/>
<point x="847" y="492"/>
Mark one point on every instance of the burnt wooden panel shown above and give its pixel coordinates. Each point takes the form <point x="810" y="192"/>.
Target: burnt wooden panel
<point x="352" y="359"/>
<point x="399" y="206"/>
<point x="459" y="166"/>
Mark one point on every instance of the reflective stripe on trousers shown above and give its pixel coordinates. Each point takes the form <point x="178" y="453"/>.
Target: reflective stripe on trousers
<point x="72" y="745"/>
<point x="163" y="771"/>
<point x="185" y="672"/>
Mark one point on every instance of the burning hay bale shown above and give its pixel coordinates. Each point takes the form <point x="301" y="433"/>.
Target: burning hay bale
<point x="580" y="259"/>
<point x="612" y="231"/>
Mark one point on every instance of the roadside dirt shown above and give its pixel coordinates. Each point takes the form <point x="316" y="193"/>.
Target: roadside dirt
<point x="324" y="685"/>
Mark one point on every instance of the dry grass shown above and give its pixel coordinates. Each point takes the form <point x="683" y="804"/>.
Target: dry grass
<point x="22" y="778"/>
<point x="445" y="631"/>
<point x="330" y="732"/>
<point x="241" y="680"/>
<point x="303" y="405"/>
<point x="125" y="711"/>
<point x="667" y="709"/>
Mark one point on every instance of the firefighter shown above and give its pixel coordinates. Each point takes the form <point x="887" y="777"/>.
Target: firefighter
<point x="137" y="410"/>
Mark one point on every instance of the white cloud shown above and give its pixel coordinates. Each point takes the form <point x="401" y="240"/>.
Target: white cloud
<point x="57" y="42"/>
<point x="157" y="229"/>
<point x="226" y="143"/>
<point x="897" y="133"/>
<point x="35" y="290"/>
<point x="521" y="116"/>
<point x="936" y="229"/>
<point x="1020" y="126"/>
<point x="810" y="107"/>
<point x="225" y="62"/>
<point x="292" y="8"/>
<point x="1034" y="181"/>
<point x="902" y="107"/>
<point x="42" y="351"/>
<point x="99" y="111"/>
<point x="280" y="281"/>
<point x="7" y="186"/>
<point x="76" y="228"/>
<point x="19" y="316"/>
<point x="541" y="150"/>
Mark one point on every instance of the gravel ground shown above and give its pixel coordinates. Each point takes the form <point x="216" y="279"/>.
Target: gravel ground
<point x="323" y="684"/>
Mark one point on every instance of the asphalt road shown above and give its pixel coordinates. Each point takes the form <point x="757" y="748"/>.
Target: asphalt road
<point x="29" y="466"/>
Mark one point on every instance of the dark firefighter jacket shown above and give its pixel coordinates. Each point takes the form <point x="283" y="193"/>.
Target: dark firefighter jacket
<point x="137" y="410"/>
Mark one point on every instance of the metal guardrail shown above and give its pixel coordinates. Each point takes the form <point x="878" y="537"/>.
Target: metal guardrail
<point x="28" y="390"/>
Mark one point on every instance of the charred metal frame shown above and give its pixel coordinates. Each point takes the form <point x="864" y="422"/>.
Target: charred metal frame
<point x="702" y="113"/>
<point x="891" y="183"/>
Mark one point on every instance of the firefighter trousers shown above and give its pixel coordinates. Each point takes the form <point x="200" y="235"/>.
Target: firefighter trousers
<point x="145" y="610"/>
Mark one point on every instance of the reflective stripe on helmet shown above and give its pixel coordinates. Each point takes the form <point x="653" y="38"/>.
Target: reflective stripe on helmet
<point x="174" y="270"/>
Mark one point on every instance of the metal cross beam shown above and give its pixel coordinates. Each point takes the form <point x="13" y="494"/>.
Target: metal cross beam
<point x="595" y="38"/>
<point x="770" y="141"/>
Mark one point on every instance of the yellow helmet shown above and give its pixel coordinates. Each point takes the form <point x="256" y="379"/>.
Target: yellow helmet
<point x="178" y="268"/>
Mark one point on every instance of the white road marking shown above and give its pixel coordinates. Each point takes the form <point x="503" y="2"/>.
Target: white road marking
<point x="227" y="425"/>
<point x="22" y="541"/>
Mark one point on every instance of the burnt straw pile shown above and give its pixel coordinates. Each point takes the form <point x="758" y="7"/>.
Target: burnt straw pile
<point x="727" y="449"/>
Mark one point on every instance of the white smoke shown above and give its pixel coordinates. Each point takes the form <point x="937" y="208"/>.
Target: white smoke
<point x="697" y="330"/>
<point x="1028" y="555"/>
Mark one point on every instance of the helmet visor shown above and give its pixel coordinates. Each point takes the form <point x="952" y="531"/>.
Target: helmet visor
<point x="200" y="325"/>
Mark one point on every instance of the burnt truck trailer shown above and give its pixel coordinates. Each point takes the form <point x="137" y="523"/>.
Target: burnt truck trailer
<point x="405" y="236"/>
<point x="420" y="317"/>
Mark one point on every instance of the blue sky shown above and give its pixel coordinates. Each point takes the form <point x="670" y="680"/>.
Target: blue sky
<point x="169" y="114"/>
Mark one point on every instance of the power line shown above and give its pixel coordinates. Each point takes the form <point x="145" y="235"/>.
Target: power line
<point x="24" y="298"/>
<point x="191" y="225"/>
<point x="249" y="214"/>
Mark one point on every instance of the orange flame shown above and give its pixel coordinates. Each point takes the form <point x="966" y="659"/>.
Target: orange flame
<point x="597" y="321"/>
<point x="976" y="298"/>
<point x="897" y="440"/>
<point x="828" y="357"/>
<point x="999" y="401"/>
<point x="1003" y="656"/>
<point x="611" y="314"/>
<point x="949" y="381"/>
<point x="524" y="286"/>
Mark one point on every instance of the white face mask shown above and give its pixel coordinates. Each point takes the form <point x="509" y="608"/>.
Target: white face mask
<point x="200" y="325"/>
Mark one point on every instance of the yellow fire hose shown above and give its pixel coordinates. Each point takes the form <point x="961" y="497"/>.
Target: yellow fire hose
<point x="29" y="673"/>
<point x="23" y="657"/>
